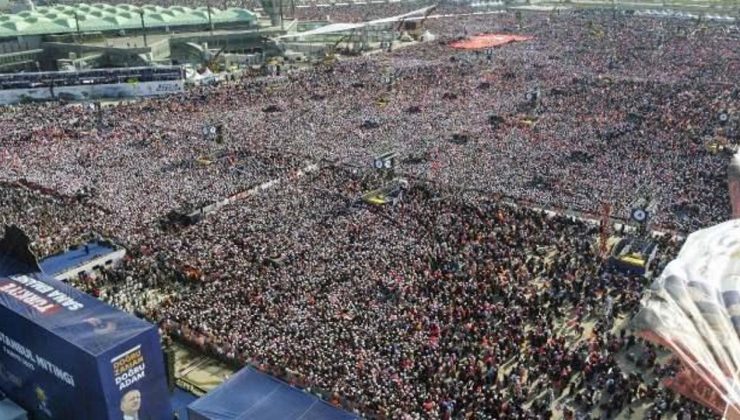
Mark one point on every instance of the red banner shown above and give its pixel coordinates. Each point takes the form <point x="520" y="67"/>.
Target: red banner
<point x="488" y="40"/>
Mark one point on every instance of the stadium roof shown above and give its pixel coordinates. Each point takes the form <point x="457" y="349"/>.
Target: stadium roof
<point x="60" y="19"/>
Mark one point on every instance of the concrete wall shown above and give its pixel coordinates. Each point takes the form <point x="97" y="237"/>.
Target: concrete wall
<point x="160" y="50"/>
<point x="20" y="44"/>
<point x="95" y="55"/>
<point x="185" y="52"/>
<point x="125" y="59"/>
<point x="243" y="59"/>
<point x="22" y="60"/>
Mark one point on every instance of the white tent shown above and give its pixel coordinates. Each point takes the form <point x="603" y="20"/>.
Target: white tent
<point x="343" y="27"/>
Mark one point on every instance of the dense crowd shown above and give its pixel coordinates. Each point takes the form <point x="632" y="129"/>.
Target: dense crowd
<point x="448" y="303"/>
<point x="441" y="306"/>
<point x="614" y="121"/>
<point x="416" y="310"/>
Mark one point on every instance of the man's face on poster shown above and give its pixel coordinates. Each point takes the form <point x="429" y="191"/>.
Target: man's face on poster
<point x="131" y="402"/>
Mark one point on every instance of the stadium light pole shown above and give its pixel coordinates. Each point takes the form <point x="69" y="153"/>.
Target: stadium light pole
<point x="210" y="21"/>
<point x="143" y="27"/>
<point x="79" y="37"/>
<point x="282" y="24"/>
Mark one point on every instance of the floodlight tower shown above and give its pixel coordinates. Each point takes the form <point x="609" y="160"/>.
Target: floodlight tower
<point x="143" y="27"/>
<point x="271" y="8"/>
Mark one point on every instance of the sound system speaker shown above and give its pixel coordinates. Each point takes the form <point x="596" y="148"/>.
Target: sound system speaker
<point x="169" y="360"/>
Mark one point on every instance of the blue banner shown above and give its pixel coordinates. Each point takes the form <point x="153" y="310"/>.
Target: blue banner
<point x="67" y="355"/>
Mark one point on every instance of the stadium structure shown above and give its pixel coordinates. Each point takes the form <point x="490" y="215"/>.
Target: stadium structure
<point x="88" y="52"/>
<point x="89" y="36"/>
<point x="84" y="36"/>
<point x="99" y="35"/>
<point x="93" y="51"/>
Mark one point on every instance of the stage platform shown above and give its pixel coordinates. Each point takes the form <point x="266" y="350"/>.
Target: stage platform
<point x="73" y="261"/>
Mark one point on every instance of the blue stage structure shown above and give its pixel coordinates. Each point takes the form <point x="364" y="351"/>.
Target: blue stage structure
<point x="11" y="411"/>
<point x="251" y="394"/>
<point x="180" y="401"/>
<point x="65" y="261"/>
<point x="67" y="355"/>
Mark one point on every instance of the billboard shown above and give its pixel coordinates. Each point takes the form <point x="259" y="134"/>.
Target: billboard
<point x="66" y="355"/>
<point x="90" y="92"/>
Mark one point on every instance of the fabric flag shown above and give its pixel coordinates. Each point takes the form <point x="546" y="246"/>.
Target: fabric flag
<point x="693" y="309"/>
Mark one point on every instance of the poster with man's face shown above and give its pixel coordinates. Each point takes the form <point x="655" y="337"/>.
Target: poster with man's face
<point x="130" y="404"/>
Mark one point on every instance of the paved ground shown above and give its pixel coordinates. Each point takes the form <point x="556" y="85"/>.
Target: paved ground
<point x="197" y="373"/>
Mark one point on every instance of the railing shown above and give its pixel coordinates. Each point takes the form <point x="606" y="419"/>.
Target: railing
<point x="88" y="77"/>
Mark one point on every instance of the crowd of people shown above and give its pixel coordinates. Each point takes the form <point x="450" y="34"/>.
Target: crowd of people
<point x="451" y="302"/>
<point x="654" y="109"/>
<point x="419" y="310"/>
